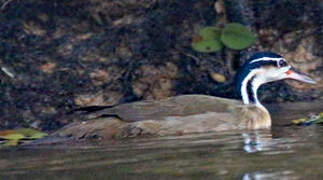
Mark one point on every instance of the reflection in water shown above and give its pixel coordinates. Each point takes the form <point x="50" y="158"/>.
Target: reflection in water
<point x="285" y="152"/>
<point x="269" y="175"/>
<point x="255" y="141"/>
<point x="263" y="141"/>
<point x="226" y="155"/>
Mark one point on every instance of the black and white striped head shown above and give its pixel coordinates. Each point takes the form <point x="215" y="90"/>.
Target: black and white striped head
<point x="261" y="68"/>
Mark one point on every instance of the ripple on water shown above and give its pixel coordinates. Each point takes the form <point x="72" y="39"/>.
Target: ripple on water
<point x="284" y="152"/>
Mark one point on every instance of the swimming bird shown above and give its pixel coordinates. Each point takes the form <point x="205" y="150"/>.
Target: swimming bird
<point x="202" y="113"/>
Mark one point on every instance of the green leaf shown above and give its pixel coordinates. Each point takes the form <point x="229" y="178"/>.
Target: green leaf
<point x="319" y="119"/>
<point x="237" y="36"/>
<point x="14" y="136"/>
<point x="299" y="121"/>
<point x="22" y="133"/>
<point x="10" y="143"/>
<point x="207" y="46"/>
<point x="208" y="40"/>
<point x="31" y="133"/>
<point x="210" y="33"/>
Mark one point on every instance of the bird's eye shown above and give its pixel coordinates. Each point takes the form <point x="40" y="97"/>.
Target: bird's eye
<point x="282" y="63"/>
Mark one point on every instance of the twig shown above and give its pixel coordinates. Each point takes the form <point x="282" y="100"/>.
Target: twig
<point x="7" y="72"/>
<point x="5" y="4"/>
<point x="191" y="56"/>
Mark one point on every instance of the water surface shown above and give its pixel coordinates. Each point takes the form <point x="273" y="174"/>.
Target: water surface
<point x="284" y="152"/>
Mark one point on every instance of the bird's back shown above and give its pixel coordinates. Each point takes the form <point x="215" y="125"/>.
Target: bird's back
<point x="183" y="106"/>
<point x="187" y="114"/>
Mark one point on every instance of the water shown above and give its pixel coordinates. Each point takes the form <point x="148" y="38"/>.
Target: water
<point x="285" y="152"/>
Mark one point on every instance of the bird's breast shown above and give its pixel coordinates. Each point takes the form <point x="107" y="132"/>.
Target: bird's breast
<point x="253" y="117"/>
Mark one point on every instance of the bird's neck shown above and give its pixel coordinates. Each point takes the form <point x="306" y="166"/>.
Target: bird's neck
<point x="249" y="88"/>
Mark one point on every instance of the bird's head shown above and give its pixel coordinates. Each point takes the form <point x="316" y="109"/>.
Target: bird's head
<point x="261" y="68"/>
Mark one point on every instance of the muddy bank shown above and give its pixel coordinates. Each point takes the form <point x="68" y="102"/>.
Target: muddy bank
<point x="59" y="55"/>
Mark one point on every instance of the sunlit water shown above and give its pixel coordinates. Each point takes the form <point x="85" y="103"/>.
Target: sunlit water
<point x="285" y="152"/>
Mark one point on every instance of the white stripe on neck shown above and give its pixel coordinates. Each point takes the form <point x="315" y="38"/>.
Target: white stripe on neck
<point x="244" y="92"/>
<point x="266" y="59"/>
<point x="257" y="81"/>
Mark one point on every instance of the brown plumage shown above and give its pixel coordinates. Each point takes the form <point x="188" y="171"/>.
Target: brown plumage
<point x="195" y="113"/>
<point x="186" y="114"/>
